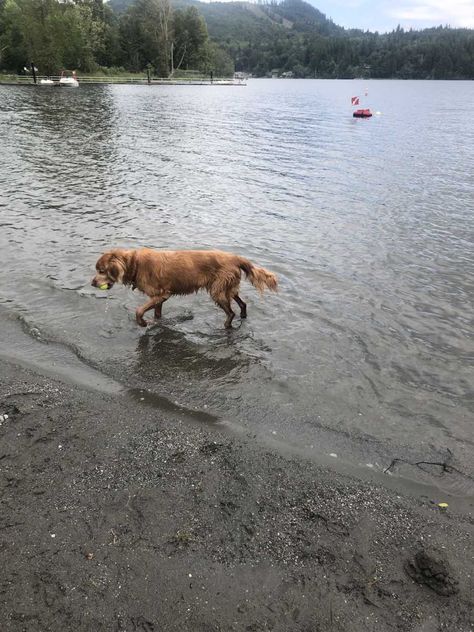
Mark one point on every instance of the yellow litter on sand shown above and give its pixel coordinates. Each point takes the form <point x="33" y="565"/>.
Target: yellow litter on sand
<point x="443" y="505"/>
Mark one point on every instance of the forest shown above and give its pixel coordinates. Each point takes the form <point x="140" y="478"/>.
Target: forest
<point x="290" y="38"/>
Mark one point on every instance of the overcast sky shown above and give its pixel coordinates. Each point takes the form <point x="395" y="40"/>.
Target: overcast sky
<point x="385" y="15"/>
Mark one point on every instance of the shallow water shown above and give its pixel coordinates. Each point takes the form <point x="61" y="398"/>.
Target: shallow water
<point x="367" y="351"/>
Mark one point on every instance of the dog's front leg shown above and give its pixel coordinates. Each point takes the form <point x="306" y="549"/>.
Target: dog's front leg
<point x="140" y="311"/>
<point x="156" y="302"/>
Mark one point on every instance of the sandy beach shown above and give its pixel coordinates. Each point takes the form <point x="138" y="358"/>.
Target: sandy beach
<point x="118" y="515"/>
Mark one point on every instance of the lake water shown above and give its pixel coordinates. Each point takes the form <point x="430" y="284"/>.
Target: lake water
<point x="367" y="351"/>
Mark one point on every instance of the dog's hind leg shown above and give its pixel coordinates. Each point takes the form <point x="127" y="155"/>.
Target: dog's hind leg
<point x="225" y="305"/>
<point x="242" y="305"/>
<point x="223" y="301"/>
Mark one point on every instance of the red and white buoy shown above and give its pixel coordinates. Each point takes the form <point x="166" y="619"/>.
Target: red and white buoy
<point x="360" y="113"/>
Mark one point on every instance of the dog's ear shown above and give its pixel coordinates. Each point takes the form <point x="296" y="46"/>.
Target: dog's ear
<point x="116" y="268"/>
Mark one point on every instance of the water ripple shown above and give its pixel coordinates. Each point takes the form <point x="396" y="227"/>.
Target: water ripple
<point x="367" y="223"/>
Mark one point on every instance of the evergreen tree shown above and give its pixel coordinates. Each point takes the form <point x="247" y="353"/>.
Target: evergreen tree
<point x="289" y="36"/>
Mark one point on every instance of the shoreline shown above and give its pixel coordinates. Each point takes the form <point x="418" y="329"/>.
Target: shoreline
<point x="119" y="516"/>
<point x="440" y="480"/>
<point x="112" y="81"/>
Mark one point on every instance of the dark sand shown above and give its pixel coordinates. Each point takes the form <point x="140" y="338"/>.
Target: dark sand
<point x="117" y="516"/>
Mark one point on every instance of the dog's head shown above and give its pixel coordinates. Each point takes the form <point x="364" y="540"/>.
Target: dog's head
<point x="111" y="268"/>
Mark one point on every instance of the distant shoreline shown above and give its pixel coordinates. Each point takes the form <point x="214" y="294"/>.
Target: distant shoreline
<point x="20" y="80"/>
<point x="101" y="81"/>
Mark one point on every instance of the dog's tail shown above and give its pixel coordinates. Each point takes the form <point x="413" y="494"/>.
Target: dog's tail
<point x="258" y="277"/>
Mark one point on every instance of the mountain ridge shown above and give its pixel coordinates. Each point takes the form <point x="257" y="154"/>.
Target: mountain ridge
<point x="294" y="38"/>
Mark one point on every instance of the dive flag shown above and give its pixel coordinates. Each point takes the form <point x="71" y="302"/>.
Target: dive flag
<point x="355" y="101"/>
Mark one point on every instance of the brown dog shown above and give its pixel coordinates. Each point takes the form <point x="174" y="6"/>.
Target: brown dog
<point x="161" y="274"/>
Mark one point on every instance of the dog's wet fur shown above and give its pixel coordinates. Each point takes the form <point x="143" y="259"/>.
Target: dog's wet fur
<point x="161" y="274"/>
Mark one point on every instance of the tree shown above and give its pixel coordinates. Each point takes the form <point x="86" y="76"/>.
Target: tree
<point x="146" y="33"/>
<point x="219" y="62"/>
<point x="190" y="42"/>
<point x="53" y="35"/>
<point x="289" y="35"/>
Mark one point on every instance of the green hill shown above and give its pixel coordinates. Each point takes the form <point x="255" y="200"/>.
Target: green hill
<point x="290" y="38"/>
<point x="293" y="36"/>
<point x="244" y="19"/>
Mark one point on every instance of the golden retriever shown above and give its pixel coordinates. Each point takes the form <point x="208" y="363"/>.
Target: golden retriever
<point x="164" y="273"/>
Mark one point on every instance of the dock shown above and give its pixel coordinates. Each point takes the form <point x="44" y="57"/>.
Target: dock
<point x="28" y="80"/>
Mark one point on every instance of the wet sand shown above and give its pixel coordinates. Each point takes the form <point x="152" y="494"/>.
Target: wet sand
<point x="117" y="515"/>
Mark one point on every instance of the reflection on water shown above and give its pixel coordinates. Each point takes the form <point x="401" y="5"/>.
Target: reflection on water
<point x="163" y="352"/>
<point x="367" y="223"/>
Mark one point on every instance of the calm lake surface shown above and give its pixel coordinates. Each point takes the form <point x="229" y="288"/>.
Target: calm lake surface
<point x="367" y="351"/>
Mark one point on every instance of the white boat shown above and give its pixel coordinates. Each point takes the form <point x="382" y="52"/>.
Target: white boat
<point x="46" y="82"/>
<point x="71" y="82"/>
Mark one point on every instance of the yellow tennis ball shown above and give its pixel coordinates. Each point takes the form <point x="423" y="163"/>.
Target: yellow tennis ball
<point x="103" y="286"/>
